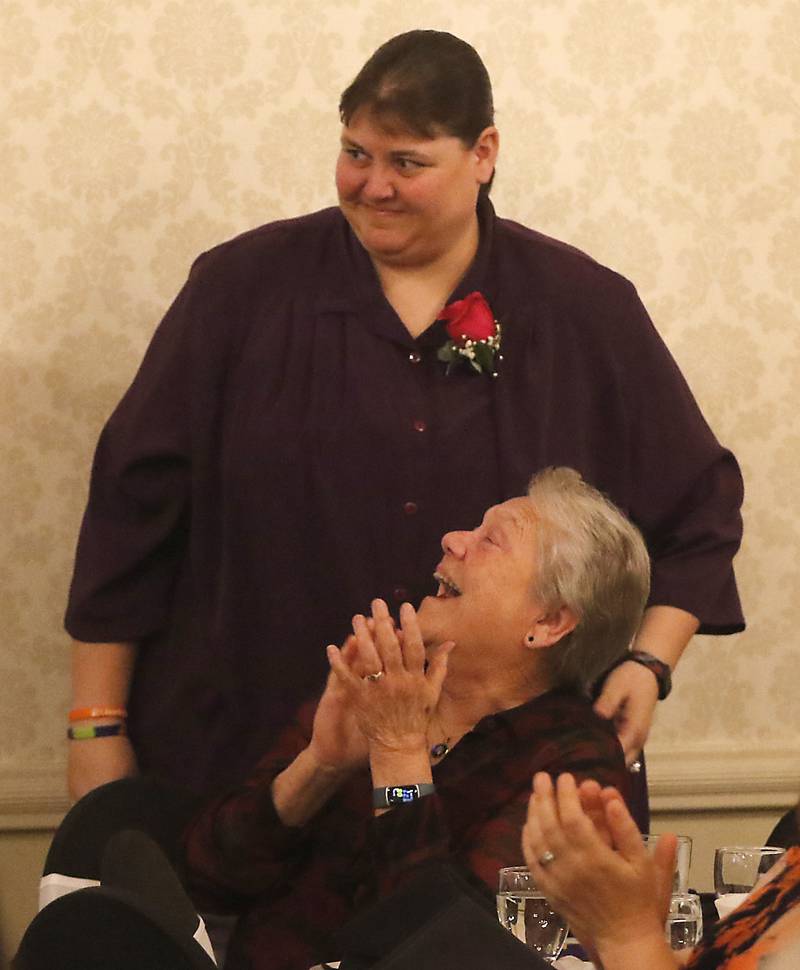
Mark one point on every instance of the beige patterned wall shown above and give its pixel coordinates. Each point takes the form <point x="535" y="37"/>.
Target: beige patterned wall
<point x="661" y="135"/>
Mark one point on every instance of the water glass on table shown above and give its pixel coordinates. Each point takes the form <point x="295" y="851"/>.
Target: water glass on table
<point x="524" y="911"/>
<point x="683" y="860"/>
<point x="684" y="926"/>
<point x="737" y="869"/>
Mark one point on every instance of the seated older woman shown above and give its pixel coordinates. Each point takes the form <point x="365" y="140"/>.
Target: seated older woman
<point x="424" y="742"/>
<point x="588" y="857"/>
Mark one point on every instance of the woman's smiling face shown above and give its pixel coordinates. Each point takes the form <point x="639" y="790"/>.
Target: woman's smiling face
<point x="410" y="199"/>
<point x="487" y="581"/>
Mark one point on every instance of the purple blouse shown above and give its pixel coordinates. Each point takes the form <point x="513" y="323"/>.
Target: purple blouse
<point x="287" y="451"/>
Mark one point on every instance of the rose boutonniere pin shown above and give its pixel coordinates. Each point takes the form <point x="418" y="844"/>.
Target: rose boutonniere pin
<point x="474" y="334"/>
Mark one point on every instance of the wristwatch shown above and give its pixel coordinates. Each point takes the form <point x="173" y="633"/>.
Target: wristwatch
<point x="393" y="795"/>
<point x="661" y="671"/>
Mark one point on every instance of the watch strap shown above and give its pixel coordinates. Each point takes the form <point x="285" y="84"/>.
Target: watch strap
<point x="390" y="795"/>
<point x="660" y="670"/>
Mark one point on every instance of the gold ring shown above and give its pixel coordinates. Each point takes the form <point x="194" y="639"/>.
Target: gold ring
<point x="375" y="676"/>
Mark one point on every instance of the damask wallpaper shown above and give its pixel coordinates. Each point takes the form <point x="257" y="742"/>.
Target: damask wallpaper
<point x="663" y="136"/>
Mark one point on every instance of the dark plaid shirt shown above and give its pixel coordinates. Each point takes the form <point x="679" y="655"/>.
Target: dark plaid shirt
<point x="300" y="885"/>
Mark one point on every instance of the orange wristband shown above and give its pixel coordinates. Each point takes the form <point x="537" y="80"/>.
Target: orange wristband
<point x="90" y="713"/>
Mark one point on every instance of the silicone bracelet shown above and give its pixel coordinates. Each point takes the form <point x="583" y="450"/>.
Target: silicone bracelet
<point x="90" y="713"/>
<point x="86" y="732"/>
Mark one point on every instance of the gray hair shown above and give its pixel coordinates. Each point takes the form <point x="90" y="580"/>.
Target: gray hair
<point x="592" y="559"/>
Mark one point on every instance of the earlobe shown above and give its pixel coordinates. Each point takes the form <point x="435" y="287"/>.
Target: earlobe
<point x="551" y="628"/>
<point x="531" y="641"/>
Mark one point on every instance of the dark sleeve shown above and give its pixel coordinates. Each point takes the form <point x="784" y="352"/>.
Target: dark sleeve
<point x="237" y="846"/>
<point x="686" y="489"/>
<point x="412" y="835"/>
<point x="134" y="531"/>
<point x="592" y="385"/>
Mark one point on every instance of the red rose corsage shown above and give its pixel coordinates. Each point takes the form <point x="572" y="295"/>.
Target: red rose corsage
<point x="474" y="334"/>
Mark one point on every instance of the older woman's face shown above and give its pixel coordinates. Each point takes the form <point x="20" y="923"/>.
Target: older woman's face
<point x="408" y="199"/>
<point x="486" y="581"/>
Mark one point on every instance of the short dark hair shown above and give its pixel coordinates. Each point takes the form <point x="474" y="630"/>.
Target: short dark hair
<point x="427" y="81"/>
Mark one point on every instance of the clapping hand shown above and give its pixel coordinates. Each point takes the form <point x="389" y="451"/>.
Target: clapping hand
<point x="393" y="703"/>
<point x="337" y="742"/>
<point x="588" y="857"/>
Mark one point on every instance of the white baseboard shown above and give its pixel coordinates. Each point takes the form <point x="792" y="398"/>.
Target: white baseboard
<point x="34" y="798"/>
<point x="713" y="779"/>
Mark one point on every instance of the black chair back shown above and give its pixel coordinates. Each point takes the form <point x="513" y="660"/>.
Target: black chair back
<point x="142" y="804"/>
<point x="138" y="917"/>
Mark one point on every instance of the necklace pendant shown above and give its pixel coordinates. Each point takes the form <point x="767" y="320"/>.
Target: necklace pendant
<point x="440" y="750"/>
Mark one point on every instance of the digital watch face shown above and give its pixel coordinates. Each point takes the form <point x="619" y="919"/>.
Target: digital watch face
<point x="400" y="794"/>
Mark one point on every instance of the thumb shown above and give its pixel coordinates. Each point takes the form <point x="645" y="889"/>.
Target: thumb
<point x="339" y="667"/>
<point x="664" y="861"/>
<point x="624" y="831"/>
<point x="610" y="700"/>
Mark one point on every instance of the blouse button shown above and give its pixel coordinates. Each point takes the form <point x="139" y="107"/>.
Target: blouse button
<point x="420" y="425"/>
<point x="410" y="508"/>
<point x="400" y="593"/>
<point x="414" y="357"/>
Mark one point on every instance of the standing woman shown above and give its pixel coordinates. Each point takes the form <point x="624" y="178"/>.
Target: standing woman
<point x="305" y="424"/>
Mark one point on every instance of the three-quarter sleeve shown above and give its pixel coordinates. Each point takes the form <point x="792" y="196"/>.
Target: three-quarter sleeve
<point x="686" y="489"/>
<point x="134" y="530"/>
<point x="586" y="381"/>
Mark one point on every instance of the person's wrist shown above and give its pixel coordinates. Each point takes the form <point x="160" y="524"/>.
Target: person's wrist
<point x="407" y="763"/>
<point x="86" y="721"/>
<point x="388" y="796"/>
<point x="400" y="744"/>
<point x="644" y="678"/>
<point x="659" y="669"/>
<point x="325" y="767"/>
<point x="97" y="722"/>
<point x="653" y="670"/>
<point x="639" y="946"/>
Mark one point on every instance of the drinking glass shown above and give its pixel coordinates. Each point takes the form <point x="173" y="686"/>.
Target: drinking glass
<point x="523" y="910"/>
<point x="737" y="868"/>
<point x="684" y="925"/>
<point x="683" y="860"/>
